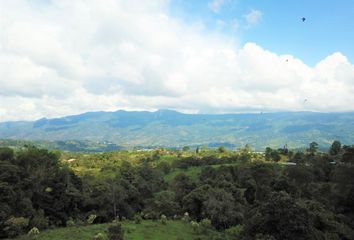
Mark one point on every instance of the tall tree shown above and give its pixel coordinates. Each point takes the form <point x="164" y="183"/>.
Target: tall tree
<point x="335" y="148"/>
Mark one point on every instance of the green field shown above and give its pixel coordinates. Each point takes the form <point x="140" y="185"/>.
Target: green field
<point x="192" y="172"/>
<point x="153" y="230"/>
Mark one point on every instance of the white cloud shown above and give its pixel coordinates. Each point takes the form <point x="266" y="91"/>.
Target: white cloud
<point x="215" y="5"/>
<point x="253" y="17"/>
<point x="66" y="57"/>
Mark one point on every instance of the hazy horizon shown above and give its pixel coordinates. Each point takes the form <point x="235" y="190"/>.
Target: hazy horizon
<point x="245" y="112"/>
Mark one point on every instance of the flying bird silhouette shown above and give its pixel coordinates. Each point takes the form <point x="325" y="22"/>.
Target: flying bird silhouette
<point x="303" y="19"/>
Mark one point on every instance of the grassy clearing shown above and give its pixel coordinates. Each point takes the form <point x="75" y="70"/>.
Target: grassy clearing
<point x="191" y="172"/>
<point x="147" y="230"/>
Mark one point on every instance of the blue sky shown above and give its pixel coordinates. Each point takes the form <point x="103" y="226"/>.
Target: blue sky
<point x="64" y="57"/>
<point x="329" y="25"/>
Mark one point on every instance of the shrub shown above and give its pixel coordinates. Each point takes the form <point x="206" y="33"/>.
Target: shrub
<point x="234" y="232"/>
<point x="79" y="222"/>
<point x="164" y="167"/>
<point x="205" y="226"/>
<point x="195" y="226"/>
<point x="206" y="223"/>
<point x="186" y="217"/>
<point x="33" y="233"/>
<point x="115" y="232"/>
<point x="115" y="221"/>
<point x="163" y="219"/>
<point x="91" y="218"/>
<point x="39" y="220"/>
<point x="98" y="236"/>
<point x="137" y="219"/>
<point x="70" y="222"/>
<point x="15" y="226"/>
<point x="261" y="236"/>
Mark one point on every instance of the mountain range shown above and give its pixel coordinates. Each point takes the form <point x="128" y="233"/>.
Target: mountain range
<point x="169" y="128"/>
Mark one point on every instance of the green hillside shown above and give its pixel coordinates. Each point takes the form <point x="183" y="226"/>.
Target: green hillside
<point x="173" y="129"/>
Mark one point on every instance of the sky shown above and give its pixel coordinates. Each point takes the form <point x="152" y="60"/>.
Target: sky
<point x="63" y="57"/>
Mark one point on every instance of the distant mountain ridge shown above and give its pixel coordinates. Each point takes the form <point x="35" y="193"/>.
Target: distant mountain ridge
<point x="174" y="129"/>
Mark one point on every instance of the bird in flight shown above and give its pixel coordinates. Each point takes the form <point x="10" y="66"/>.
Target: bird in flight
<point x="303" y="19"/>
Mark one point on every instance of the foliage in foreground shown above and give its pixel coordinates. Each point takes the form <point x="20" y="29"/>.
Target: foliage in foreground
<point x="147" y="230"/>
<point x="239" y="193"/>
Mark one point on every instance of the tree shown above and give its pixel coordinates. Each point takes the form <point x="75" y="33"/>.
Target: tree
<point x="248" y="148"/>
<point x="335" y="148"/>
<point x="164" y="202"/>
<point x="193" y="202"/>
<point x="6" y="154"/>
<point x="299" y="158"/>
<point x="275" y="156"/>
<point x="281" y="217"/>
<point x="181" y="185"/>
<point x="36" y="186"/>
<point x="250" y="193"/>
<point x="221" y="149"/>
<point x="348" y="155"/>
<point x="313" y="147"/>
<point x="263" y="173"/>
<point x="271" y="154"/>
<point x="186" y="149"/>
<point x="268" y="152"/>
<point x="115" y="232"/>
<point x="197" y="150"/>
<point x="300" y="174"/>
<point x="221" y="209"/>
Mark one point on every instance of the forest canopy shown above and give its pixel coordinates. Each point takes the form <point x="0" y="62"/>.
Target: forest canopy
<point x="261" y="195"/>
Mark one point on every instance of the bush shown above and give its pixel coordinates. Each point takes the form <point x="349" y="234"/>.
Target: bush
<point x="163" y="219"/>
<point x="137" y="219"/>
<point x="186" y="217"/>
<point x="15" y="226"/>
<point x="115" y="232"/>
<point x="195" y="226"/>
<point x="205" y="226"/>
<point x="261" y="236"/>
<point x="98" y="236"/>
<point x="91" y="218"/>
<point x="206" y="223"/>
<point x="70" y="222"/>
<point x="39" y="221"/>
<point x="164" y="167"/>
<point x="234" y="232"/>
<point x="33" y="233"/>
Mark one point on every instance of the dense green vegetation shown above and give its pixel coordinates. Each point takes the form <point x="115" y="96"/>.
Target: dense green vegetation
<point x="147" y="230"/>
<point x="203" y="194"/>
<point x="67" y="145"/>
<point x="106" y="131"/>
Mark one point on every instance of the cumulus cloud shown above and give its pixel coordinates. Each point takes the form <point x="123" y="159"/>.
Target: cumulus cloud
<point x="65" y="57"/>
<point x="215" y="5"/>
<point x="253" y="17"/>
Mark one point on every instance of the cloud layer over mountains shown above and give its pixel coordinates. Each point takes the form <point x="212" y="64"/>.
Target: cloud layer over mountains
<point x="63" y="57"/>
